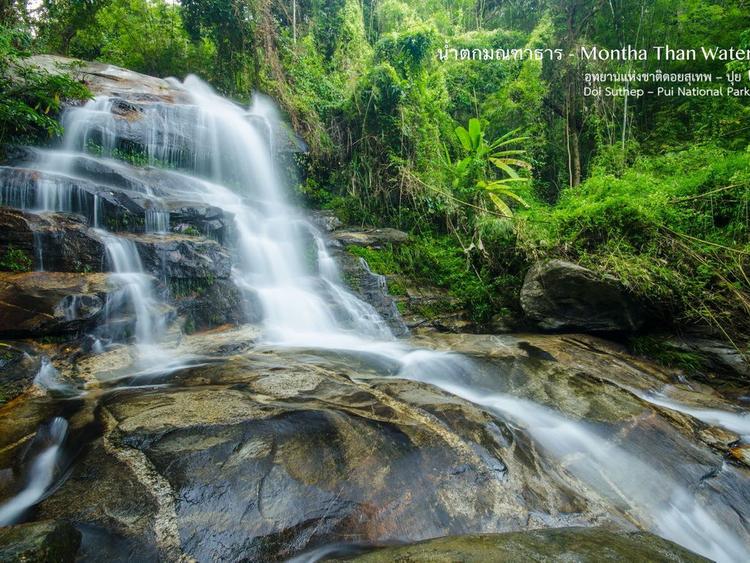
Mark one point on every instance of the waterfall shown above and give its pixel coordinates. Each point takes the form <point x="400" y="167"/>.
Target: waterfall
<point x="124" y="261"/>
<point x="41" y="474"/>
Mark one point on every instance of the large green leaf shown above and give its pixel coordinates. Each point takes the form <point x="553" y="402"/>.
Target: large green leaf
<point x="501" y="205"/>
<point x="475" y="133"/>
<point x="463" y="136"/>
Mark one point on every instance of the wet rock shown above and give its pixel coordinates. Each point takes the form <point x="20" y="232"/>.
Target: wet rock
<point x="560" y="295"/>
<point x="56" y="242"/>
<point x="585" y="545"/>
<point x="126" y="193"/>
<point x="262" y="455"/>
<point x="213" y="304"/>
<point x="27" y="188"/>
<point x="718" y="437"/>
<point x="17" y="370"/>
<point x="741" y="454"/>
<point x="183" y="258"/>
<point x="371" y="287"/>
<point x="40" y="304"/>
<point x="42" y="542"/>
<point x="373" y="238"/>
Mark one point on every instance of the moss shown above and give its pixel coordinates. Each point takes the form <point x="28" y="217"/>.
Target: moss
<point x="15" y="260"/>
<point x="382" y="262"/>
<point x="661" y="351"/>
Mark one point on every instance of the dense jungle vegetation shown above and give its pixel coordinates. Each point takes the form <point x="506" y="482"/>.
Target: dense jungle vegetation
<point x="490" y="164"/>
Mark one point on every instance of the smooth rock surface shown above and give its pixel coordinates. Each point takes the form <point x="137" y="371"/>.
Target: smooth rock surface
<point x="560" y="295"/>
<point x="40" y="542"/>
<point x="584" y="545"/>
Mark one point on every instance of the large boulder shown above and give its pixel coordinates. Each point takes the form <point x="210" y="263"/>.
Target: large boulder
<point x="208" y="305"/>
<point x="36" y="304"/>
<point x="257" y="457"/>
<point x="560" y="295"/>
<point x="41" y="542"/>
<point x="583" y="545"/>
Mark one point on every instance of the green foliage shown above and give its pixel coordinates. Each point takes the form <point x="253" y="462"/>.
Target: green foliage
<point x="15" y="260"/>
<point x="674" y="229"/>
<point x="436" y="261"/>
<point x="30" y="97"/>
<point x="116" y="34"/>
<point x="471" y="174"/>
<point x="662" y="351"/>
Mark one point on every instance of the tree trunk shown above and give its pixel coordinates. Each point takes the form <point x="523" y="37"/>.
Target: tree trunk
<point x="575" y="156"/>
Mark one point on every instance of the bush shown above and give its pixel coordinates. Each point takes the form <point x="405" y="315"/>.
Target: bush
<point x="15" y="260"/>
<point x="672" y="228"/>
<point x="30" y="97"/>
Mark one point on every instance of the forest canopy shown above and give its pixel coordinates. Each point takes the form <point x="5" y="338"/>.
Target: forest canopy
<point x="491" y="164"/>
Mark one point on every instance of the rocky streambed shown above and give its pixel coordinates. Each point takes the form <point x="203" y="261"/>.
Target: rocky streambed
<point x="244" y="452"/>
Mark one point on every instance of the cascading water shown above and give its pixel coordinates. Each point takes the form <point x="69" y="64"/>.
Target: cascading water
<point x="227" y="163"/>
<point x="41" y="473"/>
<point x="645" y="494"/>
<point x="219" y="155"/>
<point x="124" y="260"/>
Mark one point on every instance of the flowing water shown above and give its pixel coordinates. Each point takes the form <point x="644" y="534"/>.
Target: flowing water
<point x="41" y="474"/>
<point x="219" y="154"/>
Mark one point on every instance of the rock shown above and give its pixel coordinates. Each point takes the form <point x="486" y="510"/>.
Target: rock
<point x="258" y="456"/>
<point x="183" y="258"/>
<point x="584" y="545"/>
<point x="41" y="542"/>
<point x="719" y="355"/>
<point x="125" y="193"/>
<point x="741" y="454"/>
<point x="18" y="368"/>
<point x="212" y="305"/>
<point x="561" y="295"/>
<point x="374" y="238"/>
<point x="325" y="220"/>
<point x="108" y="80"/>
<point x="37" y="304"/>
<point x="372" y="288"/>
<point x="261" y="454"/>
<point x="718" y="437"/>
<point x="27" y="188"/>
<point x="57" y="242"/>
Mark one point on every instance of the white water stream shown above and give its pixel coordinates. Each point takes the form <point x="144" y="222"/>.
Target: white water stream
<point x="41" y="473"/>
